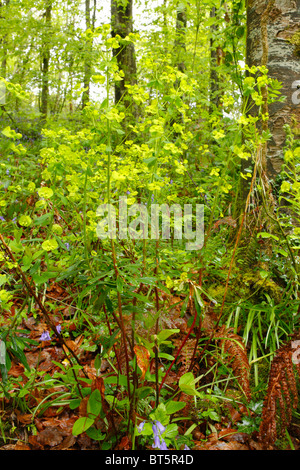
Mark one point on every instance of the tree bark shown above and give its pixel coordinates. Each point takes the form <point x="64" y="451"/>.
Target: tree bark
<point x="122" y="25"/>
<point x="271" y="25"/>
<point x="45" y="63"/>
<point x="180" y="47"/>
<point x="214" y="78"/>
<point x="89" y="24"/>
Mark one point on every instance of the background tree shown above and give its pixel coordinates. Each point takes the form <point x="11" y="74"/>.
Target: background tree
<point x="122" y="26"/>
<point x="272" y="42"/>
<point x="45" y="61"/>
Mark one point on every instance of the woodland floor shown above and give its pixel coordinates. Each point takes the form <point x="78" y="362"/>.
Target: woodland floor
<point x="50" y="426"/>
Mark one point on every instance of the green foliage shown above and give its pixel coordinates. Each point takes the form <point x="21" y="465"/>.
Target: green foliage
<point x="172" y="145"/>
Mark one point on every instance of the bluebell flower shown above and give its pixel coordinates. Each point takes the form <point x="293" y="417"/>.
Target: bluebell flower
<point x="141" y="426"/>
<point x="67" y="245"/>
<point x="186" y="447"/>
<point x="156" y="442"/>
<point x="160" y="427"/>
<point x="58" y="329"/>
<point x="45" y="336"/>
<point x="2" y="218"/>
<point x="163" y="445"/>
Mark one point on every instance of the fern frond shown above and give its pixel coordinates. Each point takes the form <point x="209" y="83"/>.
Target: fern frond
<point x="235" y="352"/>
<point x="281" y="397"/>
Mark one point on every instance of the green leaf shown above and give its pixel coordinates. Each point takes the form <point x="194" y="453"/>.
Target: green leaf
<point x="95" y="434"/>
<point x="174" y="406"/>
<point x="94" y="404"/>
<point x="267" y="235"/>
<point x="160" y="414"/>
<point x="81" y="425"/>
<point x="74" y="403"/>
<point x="171" y="431"/>
<point x="164" y="334"/>
<point x="119" y="285"/>
<point x="166" y="356"/>
<point x="187" y="384"/>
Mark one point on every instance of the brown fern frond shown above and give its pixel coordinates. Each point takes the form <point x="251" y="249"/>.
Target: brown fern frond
<point x="233" y="347"/>
<point x="281" y="397"/>
<point x="186" y="354"/>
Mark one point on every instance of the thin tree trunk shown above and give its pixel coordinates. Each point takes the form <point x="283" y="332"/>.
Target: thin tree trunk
<point x="214" y="79"/>
<point x="122" y="25"/>
<point x="3" y="41"/>
<point x="89" y="24"/>
<point x="45" y="63"/>
<point x="180" y="46"/>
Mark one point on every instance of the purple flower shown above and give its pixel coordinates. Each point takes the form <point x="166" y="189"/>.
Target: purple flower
<point x="58" y="329"/>
<point x="157" y="429"/>
<point x="2" y="218"/>
<point x="186" y="447"/>
<point x="45" y="336"/>
<point x="141" y="426"/>
<point x="67" y="245"/>
<point x="160" y="427"/>
<point x="156" y="442"/>
<point x="163" y="445"/>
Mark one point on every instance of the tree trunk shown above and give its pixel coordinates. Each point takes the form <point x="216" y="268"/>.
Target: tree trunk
<point x="121" y="24"/>
<point x="45" y="63"/>
<point x="214" y="79"/>
<point x="272" y="25"/>
<point x="3" y="42"/>
<point x="180" y="47"/>
<point x="89" y="24"/>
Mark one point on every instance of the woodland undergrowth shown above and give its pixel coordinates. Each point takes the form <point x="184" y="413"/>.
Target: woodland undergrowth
<point x="135" y="343"/>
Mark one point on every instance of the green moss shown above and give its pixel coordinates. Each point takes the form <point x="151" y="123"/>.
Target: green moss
<point x="247" y="284"/>
<point x="295" y="39"/>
